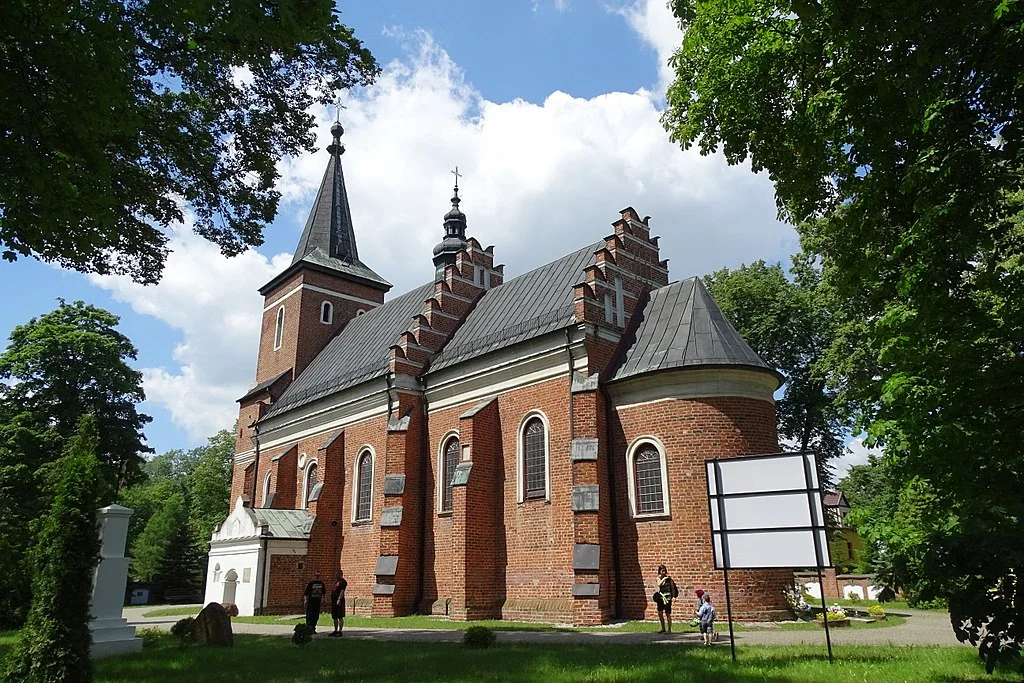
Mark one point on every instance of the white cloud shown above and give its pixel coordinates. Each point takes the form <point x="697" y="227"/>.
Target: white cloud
<point x="655" y="23"/>
<point x="540" y="180"/>
<point x="212" y="301"/>
<point x="856" y="454"/>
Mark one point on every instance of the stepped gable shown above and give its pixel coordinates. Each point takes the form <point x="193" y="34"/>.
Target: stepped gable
<point x="525" y="307"/>
<point x="358" y="353"/>
<point x="682" y="326"/>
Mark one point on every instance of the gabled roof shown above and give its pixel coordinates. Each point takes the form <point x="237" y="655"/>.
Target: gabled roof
<point x="358" y="353"/>
<point x="525" y="307"/>
<point x="833" y="499"/>
<point x="682" y="326"/>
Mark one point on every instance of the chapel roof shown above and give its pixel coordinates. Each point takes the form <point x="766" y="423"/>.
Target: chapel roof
<point x="284" y="523"/>
<point x="682" y="326"/>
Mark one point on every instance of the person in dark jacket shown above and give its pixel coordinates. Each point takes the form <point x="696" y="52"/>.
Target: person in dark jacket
<point x="311" y="599"/>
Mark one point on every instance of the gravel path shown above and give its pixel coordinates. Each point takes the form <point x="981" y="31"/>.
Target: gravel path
<point x="921" y="628"/>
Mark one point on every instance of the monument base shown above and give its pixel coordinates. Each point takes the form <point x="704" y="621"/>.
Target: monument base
<point x="113" y="637"/>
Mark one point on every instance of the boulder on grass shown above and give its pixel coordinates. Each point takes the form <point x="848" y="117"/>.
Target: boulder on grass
<point x="213" y="627"/>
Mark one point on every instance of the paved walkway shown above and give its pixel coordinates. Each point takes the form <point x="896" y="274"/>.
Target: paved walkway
<point x="921" y="628"/>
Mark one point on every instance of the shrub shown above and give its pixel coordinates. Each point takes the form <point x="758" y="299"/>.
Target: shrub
<point x="854" y="597"/>
<point x="54" y="645"/>
<point x="834" y="613"/>
<point x="150" y="635"/>
<point x="479" y="636"/>
<point x="876" y="611"/>
<point x="183" y="631"/>
<point x="937" y="603"/>
<point x="302" y="635"/>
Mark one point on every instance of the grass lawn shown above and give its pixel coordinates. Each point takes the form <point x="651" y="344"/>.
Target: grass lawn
<point x="173" y="612"/>
<point x="274" y="659"/>
<point x="420" y="621"/>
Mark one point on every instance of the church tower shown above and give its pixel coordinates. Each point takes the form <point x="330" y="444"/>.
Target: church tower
<point x="324" y="287"/>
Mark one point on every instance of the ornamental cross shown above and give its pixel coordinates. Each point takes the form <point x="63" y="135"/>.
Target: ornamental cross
<point x="457" y="176"/>
<point x="338" y="106"/>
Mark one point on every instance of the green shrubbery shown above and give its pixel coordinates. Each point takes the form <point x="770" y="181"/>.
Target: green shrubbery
<point x="182" y="630"/>
<point x="479" y="637"/>
<point x="876" y="611"/>
<point x="54" y="645"/>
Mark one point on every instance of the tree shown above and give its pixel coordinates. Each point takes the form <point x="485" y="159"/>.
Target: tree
<point x="789" y="325"/>
<point x="891" y="133"/>
<point x="54" y="645"/>
<point x="183" y="497"/>
<point x="67" y="363"/>
<point x="117" y="116"/>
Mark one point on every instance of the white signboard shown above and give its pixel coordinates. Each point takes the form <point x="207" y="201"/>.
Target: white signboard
<point x="766" y="512"/>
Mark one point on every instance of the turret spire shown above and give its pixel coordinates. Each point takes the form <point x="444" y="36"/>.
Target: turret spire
<point x="454" y="231"/>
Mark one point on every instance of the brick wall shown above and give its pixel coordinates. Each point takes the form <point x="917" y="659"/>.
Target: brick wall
<point x="692" y="432"/>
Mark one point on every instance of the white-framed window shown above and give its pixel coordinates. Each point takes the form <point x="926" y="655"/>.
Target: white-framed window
<point x="362" y="500"/>
<point x="647" y="477"/>
<point x="279" y="328"/>
<point x="327" y="313"/>
<point x="266" y="488"/>
<point x="533" y="458"/>
<point x="614" y="306"/>
<point x="447" y="461"/>
<point x="308" y="482"/>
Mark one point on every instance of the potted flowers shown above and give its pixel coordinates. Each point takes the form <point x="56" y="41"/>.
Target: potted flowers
<point x="836" y="617"/>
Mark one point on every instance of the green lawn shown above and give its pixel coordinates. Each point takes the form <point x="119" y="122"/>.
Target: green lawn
<point x="173" y="612"/>
<point x="272" y="659"/>
<point x="441" y="623"/>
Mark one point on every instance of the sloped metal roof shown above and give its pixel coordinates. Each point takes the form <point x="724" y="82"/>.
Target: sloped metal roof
<point x="293" y="524"/>
<point x="358" y="353"/>
<point x="265" y="384"/>
<point x="682" y="326"/>
<point x="525" y="307"/>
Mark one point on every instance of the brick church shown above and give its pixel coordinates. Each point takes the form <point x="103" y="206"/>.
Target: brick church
<point x="528" y="449"/>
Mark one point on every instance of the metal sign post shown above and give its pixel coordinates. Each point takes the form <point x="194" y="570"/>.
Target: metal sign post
<point x="766" y="512"/>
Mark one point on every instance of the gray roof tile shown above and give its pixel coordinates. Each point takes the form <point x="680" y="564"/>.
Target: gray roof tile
<point x="682" y="326"/>
<point x="525" y="307"/>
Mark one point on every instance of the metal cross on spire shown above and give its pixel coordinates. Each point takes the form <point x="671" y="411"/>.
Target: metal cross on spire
<point x="338" y="106"/>
<point x="457" y="176"/>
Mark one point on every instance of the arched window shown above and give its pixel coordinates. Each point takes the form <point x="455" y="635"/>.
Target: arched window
<point x="216" y="573"/>
<point x="308" y="485"/>
<point x="279" y="329"/>
<point x="648" y="478"/>
<point x="364" y="486"/>
<point x="326" y="312"/>
<point x="533" y="458"/>
<point x="266" y="488"/>
<point x="449" y="461"/>
<point x="360" y="312"/>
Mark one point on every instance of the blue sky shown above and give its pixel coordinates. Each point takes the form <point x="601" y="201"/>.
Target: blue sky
<point x="550" y="108"/>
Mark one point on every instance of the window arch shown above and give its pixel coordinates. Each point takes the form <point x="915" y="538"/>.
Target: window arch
<point x="308" y="483"/>
<point x="362" y="501"/>
<point x="447" y="462"/>
<point x="327" y="313"/>
<point x="279" y="328"/>
<point x="533" y="481"/>
<point x="266" y="488"/>
<point x="647" y="474"/>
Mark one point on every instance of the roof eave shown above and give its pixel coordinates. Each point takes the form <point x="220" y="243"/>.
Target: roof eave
<point x="704" y="366"/>
<point x="295" y="267"/>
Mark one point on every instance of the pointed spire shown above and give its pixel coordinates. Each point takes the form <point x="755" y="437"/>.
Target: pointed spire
<point x="329" y="240"/>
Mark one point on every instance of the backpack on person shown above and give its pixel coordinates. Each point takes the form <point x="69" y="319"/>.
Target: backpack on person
<point x="675" y="589"/>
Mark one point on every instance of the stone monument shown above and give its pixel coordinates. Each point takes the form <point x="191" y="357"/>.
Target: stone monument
<point x="111" y="634"/>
